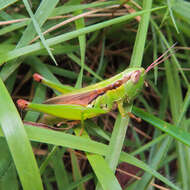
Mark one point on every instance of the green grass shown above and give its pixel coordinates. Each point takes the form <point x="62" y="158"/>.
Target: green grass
<point x="88" y="50"/>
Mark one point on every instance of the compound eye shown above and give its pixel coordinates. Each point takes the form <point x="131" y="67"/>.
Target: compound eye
<point x="118" y="83"/>
<point x="135" y="76"/>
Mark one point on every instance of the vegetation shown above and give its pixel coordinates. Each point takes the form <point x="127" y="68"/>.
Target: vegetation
<point x="78" y="43"/>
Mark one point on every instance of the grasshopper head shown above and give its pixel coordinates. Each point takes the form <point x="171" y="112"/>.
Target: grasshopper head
<point x="137" y="76"/>
<point x="135" y="83"/>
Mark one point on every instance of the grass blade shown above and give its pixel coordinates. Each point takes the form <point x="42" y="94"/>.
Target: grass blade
<point x="38" y="30"/>
<point x="68" y="36"/>
<point x="18" y="142"/>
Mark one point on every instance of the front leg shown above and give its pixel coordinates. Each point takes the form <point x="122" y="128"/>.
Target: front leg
<point x="124" y="113"/>
<point x="121" y="108"/>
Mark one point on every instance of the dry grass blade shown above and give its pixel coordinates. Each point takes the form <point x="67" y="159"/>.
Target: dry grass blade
<point x="73" y="19"/>
<point x="139" y="178"/>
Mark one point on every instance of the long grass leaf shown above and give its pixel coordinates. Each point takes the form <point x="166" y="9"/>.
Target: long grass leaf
<point x="18" y="142"/>
<point x="38" y="30"/>
<point x="66" y="140"/>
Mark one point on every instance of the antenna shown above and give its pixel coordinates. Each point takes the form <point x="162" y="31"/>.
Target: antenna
<point x="158" y="61"/>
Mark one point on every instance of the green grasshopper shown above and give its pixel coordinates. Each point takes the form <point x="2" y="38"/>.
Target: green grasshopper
<point x="93" y="100"/>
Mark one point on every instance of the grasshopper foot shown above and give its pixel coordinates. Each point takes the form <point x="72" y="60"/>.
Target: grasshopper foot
<point x="134" y="117"/>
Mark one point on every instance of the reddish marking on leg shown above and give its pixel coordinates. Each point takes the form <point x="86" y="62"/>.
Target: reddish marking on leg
<point x="37" y="77"/>
<point x="134" y="117"/>
<point x="23" y="104"/>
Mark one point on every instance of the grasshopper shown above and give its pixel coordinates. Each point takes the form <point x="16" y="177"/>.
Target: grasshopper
<point x="93" y="100"/>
